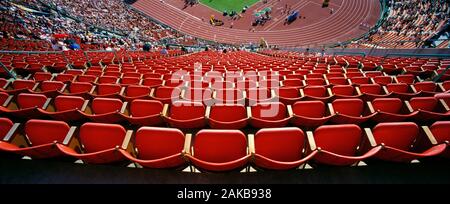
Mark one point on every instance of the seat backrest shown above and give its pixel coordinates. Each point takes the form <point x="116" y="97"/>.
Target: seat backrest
<point x="185" y="110"/>
<point x="3" y="97"/>
<point x="280" y="144"/>
<point x="80" y="87"/>
<point x="100" y="136"/>
<point x="229" y="94"/>
<point x="220" y="146"/>
<point x="105" y="89"/>
<point x="25" y="100"/>
<point x="198" y="94"/>
<point x="227" y="112"/>
<point x="156" y="143"/>
<point x="86" y="78"/>
<point x="399" y="88"/>
<point x="441" y="131"/>
<point x="345" y="90"/>
<point x="406" y="78"/>
<point x="399" y="135"/>
<point x="167" y="92"/>
<point x="313" y="109"/>
<point x="425" y="86"/>
<point x="316" y="91"/>
<point x="269" y="111"/>
<point x="42" y="76"/>
<point x="23" y="84"/>
<point x="389" y="105"/>
<point x="5" y="125"/>
<point x="135" y="91"/>
<point x="382" y="79"/>
<point x="292" y="83"/>
<point x="339" y="139"/>
<point x="315" y="82"/>
<point x="51" y="85"/>
<point x="107" y="80"/>
<point x="424" y="103"/>
<point x="41" y="132"/>
<point x="106" y="105"/>
<point x="338" y="81"/>
<point x="259" y="94"/>
<point x="370" y="88"/>
<point x="141" y="108"/>
<point x="352" y="107"/>
<point x="152" y="82"/>
<point x="64" y="103"/>
<point x="287" y="92"/>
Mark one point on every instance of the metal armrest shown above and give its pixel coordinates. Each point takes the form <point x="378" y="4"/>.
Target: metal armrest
<point x="311" y="141"/>
<point x="8" y="137"/>
<point x="85" y="104"/>
<point x="208" y="111"/>
<point x="408" y="105"/>
<point x="124" y="107"/>
<point x="331" y="109"/>
<point x="249" y="112"/>
<point x="187" y="144"/>
<point x="251" y="144"/>
<point x="69" y="135"/>
<point x="165" y="110"/>
<point x="427" y="132"/>
<point x="370" y="138"/>
<point x="127" y="139"/>
<point x="290" y="111"/>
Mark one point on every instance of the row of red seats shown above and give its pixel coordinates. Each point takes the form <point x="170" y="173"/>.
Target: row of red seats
<point x="226" y="150"/>
<point x="187" y="114"/>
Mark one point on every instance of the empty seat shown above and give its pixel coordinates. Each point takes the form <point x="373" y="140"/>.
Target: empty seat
<point x="288" y="95"/>
<point x="130" y="80"/>
<point x="82" y="89"/>
<point x="108" y="90"/>
<point x="158" y="148"/>
<point x="108" y="79"/>
<point x="86" y="78"/>
<point x="68" y="108"/>
<point x="338" y="81"/>
<point x="280" y="148"/>
<point x="391" y="110"/>
<point x="101" y="143"/>
<point x="427" y="88"/>
<point x="259" y="95"/>
<point x="219" y="150"/>
<point x="107" y="110"/>
<point x="310" y="114"/>
<point x="402" y="91"/>
<point x="383" y="80"/>
<point x="42" y="76"/>
<point x="297" y="83"/>
<point x="372" y="91"/>
<point x="350" y="111"/>
<point x="405" y="78"/>
<point x="152" y="82"/>
<point x="26" y="106"/>
<point x="430" y="109"/>
<point x="41" y="136"/>
<point x="198" y="95"/>
<point x="145" y="112"/>
<point x="269" y="115"/>
<point x="166" y="94"/>
<point x="360" y="80"/>
<point x="227" y="116"/>
<point x="316" y="93"/>
<point x="397" y="140"/>
<point x="338" y="145"/>
<point x="186" y="114"/>
<point x="136" y="92"/>
<point x="5" y="126"/>
<point x="345" y="91"/>
<point x="229" y="96"/>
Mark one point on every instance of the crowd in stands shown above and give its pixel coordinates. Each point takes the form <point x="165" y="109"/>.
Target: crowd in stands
<point x="412" y="20"/>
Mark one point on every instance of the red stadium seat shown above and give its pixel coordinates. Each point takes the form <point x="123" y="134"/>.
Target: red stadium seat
<point x="288" y="95"/>
<point x="166" y="94"/>
<point x="391" y="110"/>
<point x="133" y="92"/>
<point x="397" y="140"/>
<point x="101" y="143"/>
<point x="185" y="114"/>
<point x="219" y="150"/>
<point x="226" y="116"/>
<point x="316" y="93"/>
<point x="372" y="91"/>
<point x="351" y="111"/>
<point x="345" y="91"/>
<point x="158" y="148"/>
<point x="310" y="114"/>
<point x="107" y="110"/>
<point x="430" y="109"/>
<point x="145" y="112"/>
<point x="280" y="148"/>
<point x="338" y="144"/>
<point x="269" y="115"/>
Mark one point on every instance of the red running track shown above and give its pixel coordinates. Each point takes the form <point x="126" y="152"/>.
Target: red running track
<point x="343" y="25"/>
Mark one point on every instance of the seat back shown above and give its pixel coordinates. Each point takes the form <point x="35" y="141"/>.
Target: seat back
<point x="425" y="86"/>
<point x="41" y="132"/>
<point x="167" y="92"/>
<point x="313" y="109"/>
<point x="441" y="130"/>
<point x="339" y="139"/>
<point x="343" y="90"/>
<point x="51" y="85"/>
<point x="399" y="135"/>
<point x="424" y="103"/>
<point x="389" y="105"/>
<point x="23" y="84"/>
<point x="106" y="105"/>
<point x="64" y="103"/>
<point x="316" y="91"/>
<point x="106" y="89"/>
<point x="186" y="110"/>
<point x="370" y="89"/>
<point x="5" y="125"/>
<point x="398" y="88"/>
<point x="269" y="111"/>
<point x="352" y="107"/>
<point x="100" y="136"/>
<point x="220" y="146"/>
<point x="25" y="100"/>
<point x="141" y="108"/>
<point x="287" y="92"/>
<point x="80" y="87"/>
<point x="156" y="143"/>
<point x="3" y="97"/>
<point x="227" y="112"/>
<point x="135" y="91"/>
<point x="280" y="144"/>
